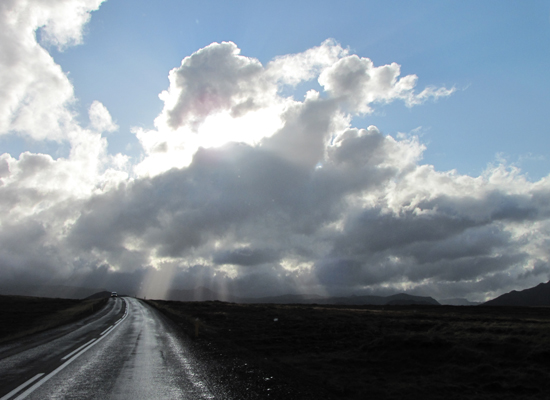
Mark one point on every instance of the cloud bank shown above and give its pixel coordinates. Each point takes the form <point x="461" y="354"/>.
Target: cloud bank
<point x="246" y="189"/>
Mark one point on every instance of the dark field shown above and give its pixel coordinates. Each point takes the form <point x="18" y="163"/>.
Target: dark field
<point x="22" y="315"/>
<point x="375" y="352"/>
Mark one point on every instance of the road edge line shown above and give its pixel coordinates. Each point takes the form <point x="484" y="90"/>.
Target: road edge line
<point x="22" y="386"/>
<point x="76" y="351"/>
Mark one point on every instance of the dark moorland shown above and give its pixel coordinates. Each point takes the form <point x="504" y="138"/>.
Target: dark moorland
<point x="377" y="352"/>
<point x="23" y="315"/>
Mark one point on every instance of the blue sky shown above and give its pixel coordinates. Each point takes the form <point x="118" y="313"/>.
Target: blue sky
<point x="493" y="52"/>
<point x="263" y="148"/>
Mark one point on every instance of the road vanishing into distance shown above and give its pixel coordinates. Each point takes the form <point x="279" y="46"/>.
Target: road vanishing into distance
<point x="128" y="350"/>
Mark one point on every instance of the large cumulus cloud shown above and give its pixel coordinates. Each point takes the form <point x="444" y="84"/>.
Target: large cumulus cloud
<point x="364" y="221"/>
<point x="249" y="190"/>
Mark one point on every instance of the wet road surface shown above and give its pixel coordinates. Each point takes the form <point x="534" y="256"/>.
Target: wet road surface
<point x="128" y="351"/>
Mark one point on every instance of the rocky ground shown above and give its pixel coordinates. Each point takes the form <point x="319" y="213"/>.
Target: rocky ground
<point x="358" y="352"/>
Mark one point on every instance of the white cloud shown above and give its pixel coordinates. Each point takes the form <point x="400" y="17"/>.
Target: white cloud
<point x="294" y="68"/>
<point x="358" y="83"/>
<point x="214" y="79"/>
<point x="63" y="20"/>
<point x="41" y="195"/>
<point x="35" y="91"/>
<point x="218" y="96"/>
<point x="100" y="119"/>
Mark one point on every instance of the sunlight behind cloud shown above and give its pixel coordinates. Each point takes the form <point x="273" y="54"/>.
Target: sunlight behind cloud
<point x="222" y="128"/>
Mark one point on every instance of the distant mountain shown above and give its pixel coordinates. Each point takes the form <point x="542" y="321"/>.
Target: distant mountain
<point x="459" y="301"/>
<point x="284" y="299"/>
<point x="55" y="291"/>
<point x="405" y="299"/>
<point x="535" y="296"/>
<point x="99" y="295"/>
<point x="204" y="294"/>
<point x="396" y="299"/>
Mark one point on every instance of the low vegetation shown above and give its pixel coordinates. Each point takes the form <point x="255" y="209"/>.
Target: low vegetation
<point x="381" y="352"/>
<point x="22" y="315"/>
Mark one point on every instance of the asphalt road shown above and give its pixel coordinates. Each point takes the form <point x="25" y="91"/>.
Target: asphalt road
<point x="126" y="351"/>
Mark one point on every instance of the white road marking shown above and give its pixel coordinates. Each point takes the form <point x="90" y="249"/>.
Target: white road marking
<point x="75" y="351"/>
<point x="21" y="387"/>
<point x="106" y="330"/>
<point x="58" y="369"/>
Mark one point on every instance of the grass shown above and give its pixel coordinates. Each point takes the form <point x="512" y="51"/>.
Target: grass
<point x="23" y="315"/>
<point x="396" y="352"/>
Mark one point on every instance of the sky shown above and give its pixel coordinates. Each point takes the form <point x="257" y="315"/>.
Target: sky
<point x="265" y="148"/>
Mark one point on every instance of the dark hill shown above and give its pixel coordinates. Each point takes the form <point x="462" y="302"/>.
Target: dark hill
<point x="99" y="295"/>
<point x="52" y="291"/>
<point x="458" y="301"/>
<point x="535" y="296"/>
<point x="407" y="299"/>
<point x="396" y="299"/>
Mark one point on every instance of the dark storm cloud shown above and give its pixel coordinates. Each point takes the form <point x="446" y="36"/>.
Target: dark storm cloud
<point x="223" y="189"/>
<point x="237" y="190"/>
<point x="246" y="206"/>
<point x="471" y="242"/>
<point x="245" y="256"/>
<point x="303" y="138"/>
<point x="374" y="232"/>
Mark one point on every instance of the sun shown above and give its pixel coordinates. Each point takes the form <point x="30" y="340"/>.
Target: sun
<point x="222" y="128"/>
<point x="166" y="148"/>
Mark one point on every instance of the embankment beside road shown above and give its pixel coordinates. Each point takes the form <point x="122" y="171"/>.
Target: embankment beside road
<point x="22" y="315"/>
